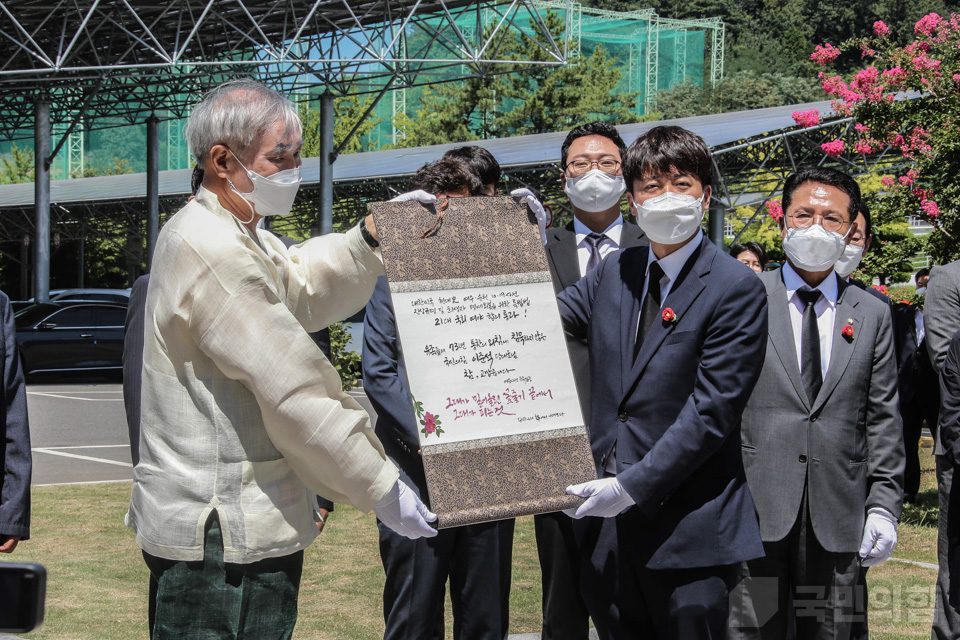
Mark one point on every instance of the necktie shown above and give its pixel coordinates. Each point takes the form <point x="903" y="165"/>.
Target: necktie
<point x="594" y="240"/>
<point x="650" y="310"/>
<point x="810" y="344"/>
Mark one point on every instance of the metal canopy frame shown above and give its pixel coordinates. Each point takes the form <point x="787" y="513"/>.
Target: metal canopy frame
<point x="109" y="60"/>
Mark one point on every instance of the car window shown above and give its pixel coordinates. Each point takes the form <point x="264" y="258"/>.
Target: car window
<point x="73" y="317"/>
<point x="111" y="317"/>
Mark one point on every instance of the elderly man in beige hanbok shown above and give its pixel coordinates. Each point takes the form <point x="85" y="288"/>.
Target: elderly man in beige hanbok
<point x="243" y="420"/>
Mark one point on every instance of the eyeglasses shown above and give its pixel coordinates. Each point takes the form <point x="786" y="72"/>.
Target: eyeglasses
<point x="580" y="167"/>
<point x="858" y="240"/>
<point x="753" y="264"/>
<point x="831" y="222"/>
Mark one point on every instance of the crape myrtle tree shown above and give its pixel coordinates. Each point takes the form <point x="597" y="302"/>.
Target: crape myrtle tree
<point x="907" y="96"/>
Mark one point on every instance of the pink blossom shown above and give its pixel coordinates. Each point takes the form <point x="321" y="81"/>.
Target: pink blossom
<point x="880" y="28"/>
<point x="906" y="180"/>
<point x="862" y="128"/>
<point x="832" y="85"/>
<point x="775" y="209"/>
<point x="862" y="146"/>
<point x="895" y="76"/>
<point x="927" y="24"/>
<point x="806" y="119"/>
<point x="865" y="78"/>
<point x="912" y="174"/>
<point x="888" y="181"/>
<point x="429" y="422"/>
<point x="833" y="149"/>
<point x="825" y="55"/>
<point x="956" y="77"/>
<point x="930" y="208"/>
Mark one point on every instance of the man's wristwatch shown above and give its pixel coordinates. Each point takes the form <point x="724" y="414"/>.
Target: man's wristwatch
<point x="365" y="233"/>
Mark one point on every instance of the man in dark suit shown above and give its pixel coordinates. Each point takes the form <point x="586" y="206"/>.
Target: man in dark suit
<point x="822" y="443"/>
<point x="476" y="558"/>
<point x="570" y="251"/>
<point x="941" y="312"/>
<point x="15" y="456"/>
<point x="676" y="335"/>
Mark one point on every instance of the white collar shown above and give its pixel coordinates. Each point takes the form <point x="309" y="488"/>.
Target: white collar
<point x="792" y="281"/>
<point x="672" y="264"/>
<point x="614" y="231"/>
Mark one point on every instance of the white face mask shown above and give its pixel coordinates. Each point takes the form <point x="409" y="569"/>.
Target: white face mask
<point x="272" y="195"/>
<point x="849" y="260"/>
<point x="595" y="191"/>
<point x="670" y="218"/>
<point x="813" y="248"/>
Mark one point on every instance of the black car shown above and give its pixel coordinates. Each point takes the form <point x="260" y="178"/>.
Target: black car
<point x="71" y="335"/>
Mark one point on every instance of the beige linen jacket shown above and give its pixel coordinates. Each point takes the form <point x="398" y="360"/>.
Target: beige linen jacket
<point x="240" y="411"/>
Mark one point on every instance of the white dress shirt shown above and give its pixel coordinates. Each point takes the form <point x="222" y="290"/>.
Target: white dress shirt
<point x="241" y="414"/>
<point x="672" y="265"/>
<point x="607" y="246"/>
<point x="826" y="308"/>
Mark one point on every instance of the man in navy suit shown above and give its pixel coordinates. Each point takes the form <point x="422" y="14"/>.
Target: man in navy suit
<point x="14" y="441"/>
<point x="597" y="230"/>
<point x="677" y="335"/>
<point x="476" y="558"/>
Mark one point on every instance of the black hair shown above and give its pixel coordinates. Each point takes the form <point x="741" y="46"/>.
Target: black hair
<point x="922" y="272"/>
<point x="592" y="129"/>
<point x="446" y="175"/>
<point x="196" y="179"/>
<point x="827" y="176"/>
<point x="753" y="247"/>
<point x="864" y="210"/>
<point x="665" y="149"/>
<point x="480" y="161"/>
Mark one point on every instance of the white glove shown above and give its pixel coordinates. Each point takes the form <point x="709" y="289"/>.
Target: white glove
<point x="419" y="195"/>
<point x="402" y="511"/>
<point x="537" y="209"/>
<point x="879" y="537"/>
<point x="605" y="498"/>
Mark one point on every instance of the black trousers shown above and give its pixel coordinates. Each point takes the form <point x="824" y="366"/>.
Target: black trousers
<point x="476" y="558"/>
<point x="565" y="615"/>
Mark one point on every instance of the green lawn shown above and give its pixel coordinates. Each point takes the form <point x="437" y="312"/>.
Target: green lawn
<point x="98" y="583"/>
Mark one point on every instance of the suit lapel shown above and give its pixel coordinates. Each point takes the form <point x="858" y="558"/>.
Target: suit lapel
<point x="682" y="294"/>
<point x="564" y="255"/>
<point x="780" y="328"/>
<point x="632" y="236"/>
<point x="842" y="349"/>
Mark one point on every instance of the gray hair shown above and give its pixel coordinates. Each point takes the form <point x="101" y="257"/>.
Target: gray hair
<point x="235" y="114"/>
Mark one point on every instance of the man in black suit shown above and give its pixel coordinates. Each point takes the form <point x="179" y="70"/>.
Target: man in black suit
<point x="476" y="558"/>
<point x="570" y="251"/>
<point x="15" y="458"/>
<point x="677" y="334"/>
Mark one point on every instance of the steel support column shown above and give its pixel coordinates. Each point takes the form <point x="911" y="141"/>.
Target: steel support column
<point x="153" y="185"/>
<point x="716" y="218"/>
<point x="326" y="162"/>
<point x="41" y="199"/>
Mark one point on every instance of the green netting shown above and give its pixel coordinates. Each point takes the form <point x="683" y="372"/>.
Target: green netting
<point x="639" y="41"/>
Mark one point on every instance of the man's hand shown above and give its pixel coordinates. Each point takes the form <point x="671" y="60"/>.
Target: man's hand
<point x="8" y="543"/>
<point x="879" y="537"/>
<point x="606" y="498"/>
<point x="322" y="520"/>
<point x="402" y="511"/>
<point x="537" y="209"/>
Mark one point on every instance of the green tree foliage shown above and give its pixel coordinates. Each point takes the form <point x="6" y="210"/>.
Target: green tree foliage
<point x="893" y="242"/>
<point x="539" y="100"/>
<point x="925" y="129"/>
<point x="18" y="166"/>
<point x="347" y="111"/>
<point x="737" y="92"/>
<point x="764" y="230"/>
